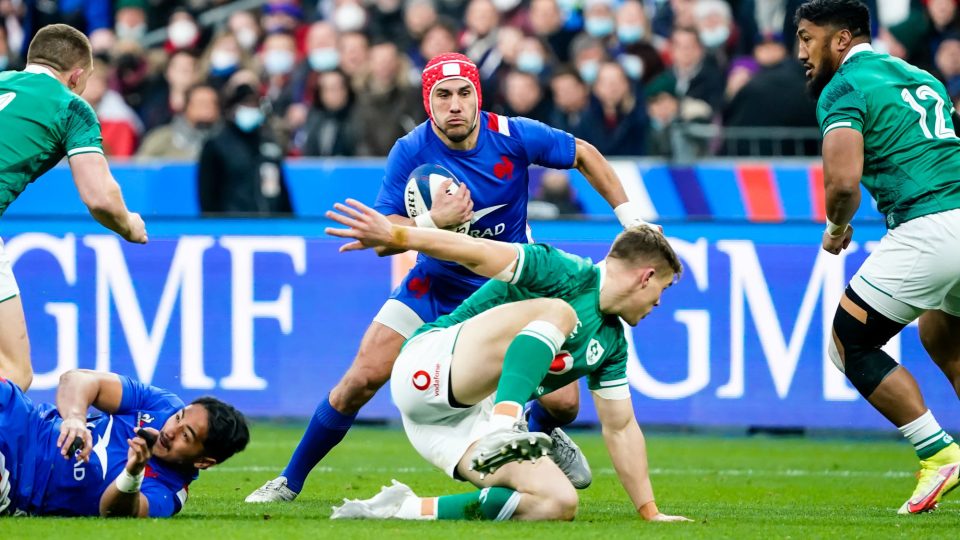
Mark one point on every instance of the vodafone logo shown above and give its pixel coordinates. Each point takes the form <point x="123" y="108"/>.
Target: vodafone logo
<point x="421" y="380"/>
<point x="562" y="363"/>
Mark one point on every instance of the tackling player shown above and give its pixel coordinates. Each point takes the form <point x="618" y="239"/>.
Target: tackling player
<point x="461" y="382"/>
<point x="888" y="124"/>
<point x="490" y="154"/>
<point x="116" y="473"/>
<point x="43" y="119"/>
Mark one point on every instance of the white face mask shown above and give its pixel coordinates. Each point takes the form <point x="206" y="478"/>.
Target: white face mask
<point x="248" y="118"/>
<point x="278" y="62"/>
<point x="222" y="59"/>
<point x="131" y="32"/>
<point x="349" y="18"/>
<point x="714" y="37"/>
<point x="247" y="38"/>
<point x="504" y="6"/>
<point x="182" y="33"/>
<point x="324" y="59"/>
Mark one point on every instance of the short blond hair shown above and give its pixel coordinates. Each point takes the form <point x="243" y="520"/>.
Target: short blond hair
<point x="61" y="47"/>
<point x="644" y="245"/>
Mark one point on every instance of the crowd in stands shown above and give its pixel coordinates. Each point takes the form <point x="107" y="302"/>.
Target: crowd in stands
<point x="341" y="77"/>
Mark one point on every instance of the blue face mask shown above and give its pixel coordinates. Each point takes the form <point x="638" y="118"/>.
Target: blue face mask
<point x="248" y="118"/>
<point x="530" y="62"/>
<point x="599" y="27"/>
<point x="589" y="71"/>
<point x="632" y="65"/>
<point x="630" y="34"/>
<point x="324" y="59"/>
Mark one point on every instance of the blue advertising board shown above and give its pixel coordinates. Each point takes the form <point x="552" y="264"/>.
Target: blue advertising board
<point x="267" y="314"/>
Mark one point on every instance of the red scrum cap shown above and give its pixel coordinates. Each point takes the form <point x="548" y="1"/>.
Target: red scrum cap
<point x="449" y="66"/>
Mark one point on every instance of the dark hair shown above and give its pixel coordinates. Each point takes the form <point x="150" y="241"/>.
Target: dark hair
<point x="851" y="15"/>
<point x="566" y="70"/>
<point x="318" y="90"/>
<point x="645" y="245"/>
<point x="227" y="431"/>
<point x="61" y="47"/>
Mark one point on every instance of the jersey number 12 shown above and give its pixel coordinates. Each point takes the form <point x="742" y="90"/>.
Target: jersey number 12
<point x="925" y="93"/>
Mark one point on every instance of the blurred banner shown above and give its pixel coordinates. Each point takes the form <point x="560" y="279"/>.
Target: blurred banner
<point x="266" y="314"/>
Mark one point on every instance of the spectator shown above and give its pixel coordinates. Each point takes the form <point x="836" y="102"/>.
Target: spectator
<point x="119" y="124"/>
<point x="130" y="20"/>
<point x="330" y="128"/>
<point x="571" y="98"/>
<point x="387" y="105"/>
<point x="182" y="33"/>
<point x="279" y="58"/>
<point x="534" y="57"/>
<point x="246" y="28"/>
<point x="555" y="198"/>
<point x="182" y="138"/>
<point x="165" y="95"/>
<point x="524" y="97"/>
<point x="547" y="23"/>
<point x="775" y="96"/>
<point x="281" y="16"/>
<point x="440" y="38"/>
<point x="588" y="53"/>
<point x="639" y="58"/>
<point x="349" y="16"/>
<point x="479" y="38"/>
<point x="418" y="16"/>
<point x="241" y="167"/>
<point x="131" y="72"/>
<point x="948" y="65"/>
<point x="386" y="23"/>
<point x="598" y="21"/>
<point x="223" y="58"/>
<point x="694" y="77"/>
<point x="354" y="55"/>
<point x="92" y="17"/>
<point x="322" y="56"/>
<point x="715" y="27"/>
<point x="677" y="13"/>
<point x="944" y="22"/>
<point x="615" y="122"/>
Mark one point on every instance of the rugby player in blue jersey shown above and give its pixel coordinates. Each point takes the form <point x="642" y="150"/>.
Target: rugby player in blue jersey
<point x="112" y="471"/>
<point x="490" y="154"/>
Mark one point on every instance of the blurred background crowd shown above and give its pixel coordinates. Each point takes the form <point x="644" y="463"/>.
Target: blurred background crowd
<point x="664" y="78"/>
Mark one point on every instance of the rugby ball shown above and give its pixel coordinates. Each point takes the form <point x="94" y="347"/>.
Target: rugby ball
<point x="423" y="186"/>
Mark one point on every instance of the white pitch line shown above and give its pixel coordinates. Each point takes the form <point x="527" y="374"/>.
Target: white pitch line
<point x="787" y="473"/>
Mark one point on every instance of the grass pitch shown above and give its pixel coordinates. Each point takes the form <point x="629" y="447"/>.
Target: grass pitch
<point x="735" y="487"/>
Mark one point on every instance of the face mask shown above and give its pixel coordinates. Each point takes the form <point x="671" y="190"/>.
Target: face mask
<point x="278" y="62"/>
<point x="247" y="38"/>
<point x="599" y="27"/>
<point x="248" y="118"/>
<point x="714" y="37"/>
<point x="182" y="33"/>
<point x="222" y="60"/>
<point x="504" y="6"/>
<point x="630" y="34"/>
<point x="589" y="71"/>
<point x="530" y="62"/>
<point x="324" y="59"/>
<point x="633" y="65"/>
<point x="349" y="18"/>
<point x="131" y="32"/>
<point x="567" y="6"/>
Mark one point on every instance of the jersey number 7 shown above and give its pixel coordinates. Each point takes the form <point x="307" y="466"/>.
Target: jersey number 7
<point x="925" y="93"/>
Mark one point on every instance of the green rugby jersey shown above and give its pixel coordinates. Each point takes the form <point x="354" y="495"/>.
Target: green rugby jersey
<point x="41" y="121"/>
<point x="911" y="154"/>
<point x="597" y="348"/>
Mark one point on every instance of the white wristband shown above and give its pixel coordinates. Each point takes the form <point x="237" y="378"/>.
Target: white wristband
<point x="629" y="215"/>
<point x="835" y="230"/>
<point x="424" y="220"/>
<point x="127" y="483"/>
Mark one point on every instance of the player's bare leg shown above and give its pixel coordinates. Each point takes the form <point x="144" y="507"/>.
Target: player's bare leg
<point x="531" y="491"/>
<point x="940" y="335"/>
<point x="15" y="363"/>
<point x="370" y="370"/>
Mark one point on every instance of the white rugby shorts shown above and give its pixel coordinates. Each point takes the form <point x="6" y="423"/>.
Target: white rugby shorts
<point x="915" y="268"/>
<point x="8" y="284"/>
<point x="420" y="385"/>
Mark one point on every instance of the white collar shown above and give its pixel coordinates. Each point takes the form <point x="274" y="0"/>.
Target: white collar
<point x="863" y="47"/>
<point x="602" y="267"/>
<point x="37" y="68"/>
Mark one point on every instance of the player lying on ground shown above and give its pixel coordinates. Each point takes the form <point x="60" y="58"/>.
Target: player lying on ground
<point x="546" y="319"/>
<point x="889" y="124"/>
<point x="490" y="154"/>
<point x="43" y="119"/>
<point x="115" y="472"/>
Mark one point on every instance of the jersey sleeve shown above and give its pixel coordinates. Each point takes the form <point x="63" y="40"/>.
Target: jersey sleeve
<point x="390" y="198"/>
<point x="841" y="106"/>
<point x="545" y="145"/>
<point x="138" y="396"/>
<point x="164" y="501"/>
<point x="81" y="129"/>
<point x="551" y="272"/>
<point x="609" y="381"/>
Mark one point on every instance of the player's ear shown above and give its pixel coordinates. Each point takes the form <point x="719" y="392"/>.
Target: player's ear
<point x="204" y="463"/>
<point x="645" y="275"/>
<point x="843" y="37"/>
<point x="75" y="77"/>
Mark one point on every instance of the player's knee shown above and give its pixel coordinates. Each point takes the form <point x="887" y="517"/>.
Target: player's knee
<point x="562" y="504"/>
<point x="563" y="406"/>
<point x="558" y="312"/>
<point x="859" y="333"/>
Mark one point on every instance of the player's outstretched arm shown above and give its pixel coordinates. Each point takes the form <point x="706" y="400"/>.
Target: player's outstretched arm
<point x="628" y="451"/>
<point x="78" y="390"/>
<point x="371" y="229"/>
<point x="598" y="171"/>
<point x="842" y="170"/>
<point x="101" y="194"/>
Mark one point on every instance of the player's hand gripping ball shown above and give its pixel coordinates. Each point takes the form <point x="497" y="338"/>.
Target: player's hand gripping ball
<point x="424" y="187"/>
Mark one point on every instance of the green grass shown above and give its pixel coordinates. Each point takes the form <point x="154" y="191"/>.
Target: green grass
<point x="735" y="487"/>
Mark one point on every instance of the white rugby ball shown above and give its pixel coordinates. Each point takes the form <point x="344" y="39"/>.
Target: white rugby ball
<point x="423" y="186"/>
